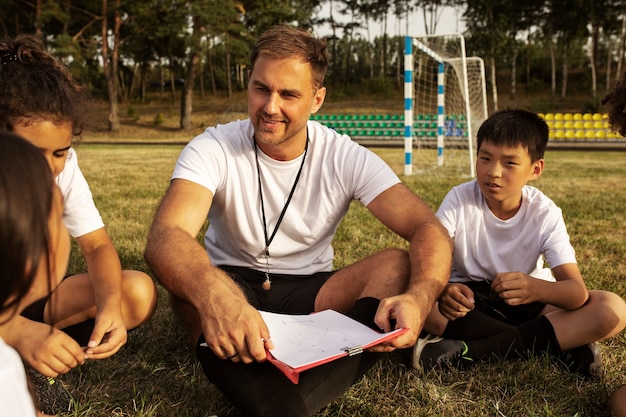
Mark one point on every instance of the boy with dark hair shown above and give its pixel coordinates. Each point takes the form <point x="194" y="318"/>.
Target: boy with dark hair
<point x="501" y="298"/>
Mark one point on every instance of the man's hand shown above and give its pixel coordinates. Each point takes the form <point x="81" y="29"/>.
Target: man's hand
<point x="108" y="336"/>
<point x="456" y="301"/>
<point x="48" y="350"/>
<point x="234" y="330"/>
<point x="405" y="310"/>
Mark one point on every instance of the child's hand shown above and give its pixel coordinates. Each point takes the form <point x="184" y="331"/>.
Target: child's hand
<point x="108" y="336"/>
<point x="515" y="288"/>
<point x="456" y="301"/>
<point x="48" y="350"/>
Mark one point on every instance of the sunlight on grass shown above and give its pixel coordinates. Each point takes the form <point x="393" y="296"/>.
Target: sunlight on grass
<point x="157" y="375"/>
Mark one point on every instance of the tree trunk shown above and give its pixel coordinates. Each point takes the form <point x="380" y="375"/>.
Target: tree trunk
<point x="593" y="61"/>
<point x="564" y="75"/>
<point x="228" y="77"/>
<point x="552" y="66"/>
<point x="620" y="49"/>
<point x="513" y="87"/>
<point x="494" y="85"/>
<point x="186" y="99"/>
<point x="110" y="64"/>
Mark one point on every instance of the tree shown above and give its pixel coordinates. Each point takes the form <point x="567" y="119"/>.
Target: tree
<point x="110" y="61"/>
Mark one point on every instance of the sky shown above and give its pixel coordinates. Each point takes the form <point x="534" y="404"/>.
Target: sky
<point x="449" y="22"/>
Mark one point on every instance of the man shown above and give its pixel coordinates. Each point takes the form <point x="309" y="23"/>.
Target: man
<point x="275" y="187"/>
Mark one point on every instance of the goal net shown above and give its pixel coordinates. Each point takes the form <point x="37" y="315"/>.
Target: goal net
<point x="445" y="103"/>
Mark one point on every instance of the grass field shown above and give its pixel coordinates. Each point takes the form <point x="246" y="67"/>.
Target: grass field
<point x="155" y="374"/>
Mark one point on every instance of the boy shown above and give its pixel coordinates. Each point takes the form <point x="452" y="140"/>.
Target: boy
<point x="500" y="298"/>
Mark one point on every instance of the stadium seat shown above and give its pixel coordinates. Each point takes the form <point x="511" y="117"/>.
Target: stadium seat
<point x="580" y="134"/>
<point x="550" y="124"/>
<point x="587" y="116"/>
<point x="599" y="124"/>
<point x="600" y="134"/>
<point x="596" y="116"/>
<point x="570" y="134"/>
<point x="548" y="116"/>
<point x="588" y="124"/>
<point x="568" y="116"/>
<point x="558" y="116"/>
<point x="590" y="134"/>
<point x="569" y="124"/>
<point x="559" y="134"/>
<point x="578" y="116"/>
<point x="558" y="124"/>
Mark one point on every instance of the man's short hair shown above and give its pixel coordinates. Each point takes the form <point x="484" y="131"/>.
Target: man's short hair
<point x="288" y="42"/>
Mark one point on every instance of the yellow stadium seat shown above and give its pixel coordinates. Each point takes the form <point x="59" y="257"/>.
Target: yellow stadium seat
<point x="590" y="134"/>
<point x="578" y="124"/>
<point x="600" y="134"/>
<point x="578" y="116"/>
<point x="559" y="134"/>
<point x="548" y="116"/>
<point x="558" y="124"/>
<point x="587" y="116"/>
<point x="596" y="116"/>
<point x="550" y="123"/>
<point x="551" y="134"/>
<point x="588" y="124"/>
<point x="570" y="134"/>
<point x="558" y="116"/>
<point x="568" y="116"/>
<point x="580" y="134"/>
<point x="568" y="124"/>
<point x="598" y="124"/>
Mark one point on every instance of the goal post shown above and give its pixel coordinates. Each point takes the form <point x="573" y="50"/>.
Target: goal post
<point x="444" y="104"/>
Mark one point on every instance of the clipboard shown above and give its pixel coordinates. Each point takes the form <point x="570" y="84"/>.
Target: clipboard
<point x="302" y="342"/>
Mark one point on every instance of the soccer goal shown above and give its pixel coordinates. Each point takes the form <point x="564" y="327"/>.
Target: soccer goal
<point x="445" y="103"/>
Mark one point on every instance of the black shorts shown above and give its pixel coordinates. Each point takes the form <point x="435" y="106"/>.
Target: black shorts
<point x="489" y="302"/>
<point x="292" y="294"/>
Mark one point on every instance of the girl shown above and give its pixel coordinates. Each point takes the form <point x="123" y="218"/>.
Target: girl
<point x="41" y="102"/>
<point x="33" y="256"/>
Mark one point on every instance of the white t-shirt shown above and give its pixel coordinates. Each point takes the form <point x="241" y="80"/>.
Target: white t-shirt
<point x="484" y="245"/>
<point x="335" y="172"/>
<point x="15" y="398"/>
<point x="81" y="216"/>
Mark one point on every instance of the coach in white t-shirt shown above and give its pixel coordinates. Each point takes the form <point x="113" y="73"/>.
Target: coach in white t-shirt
<point x="275" y="188"/>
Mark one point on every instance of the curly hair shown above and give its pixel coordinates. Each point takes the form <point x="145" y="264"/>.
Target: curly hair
<point x="35" y="86"/>
<point x="615" y="100"/>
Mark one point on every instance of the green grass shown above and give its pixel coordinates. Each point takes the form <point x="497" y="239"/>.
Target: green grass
<point x="155" y="374"/>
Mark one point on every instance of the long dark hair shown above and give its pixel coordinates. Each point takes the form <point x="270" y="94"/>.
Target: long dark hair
<point x="26" y="187"/>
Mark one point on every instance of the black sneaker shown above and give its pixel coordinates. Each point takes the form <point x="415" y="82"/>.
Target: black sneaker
<point x="51" y="397"/>
<point x="584" y="360"/>
<point x="434" y="351"/>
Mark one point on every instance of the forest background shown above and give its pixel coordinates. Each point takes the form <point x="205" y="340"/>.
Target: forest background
<point x="544" y="55"/>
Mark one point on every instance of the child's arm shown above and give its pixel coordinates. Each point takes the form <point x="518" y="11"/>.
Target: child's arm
<point x="48" y="350"/>
<point x="456" y="301"/>
<point x="105" y="273"/>
<point x="568" y="292"/>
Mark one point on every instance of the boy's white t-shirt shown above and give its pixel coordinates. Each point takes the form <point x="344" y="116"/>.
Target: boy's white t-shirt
<point x="15" y="398"/>
<point x="335" y="172"/>
<point x="80" y="214"/>
<point x="484" y="245"/>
